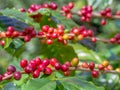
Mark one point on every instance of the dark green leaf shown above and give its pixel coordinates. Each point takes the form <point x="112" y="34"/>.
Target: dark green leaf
<point x="39" y="84"/>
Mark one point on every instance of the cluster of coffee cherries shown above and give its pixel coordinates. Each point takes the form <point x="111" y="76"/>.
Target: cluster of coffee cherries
<point x="115" y="39"/>
<point x="95" y="69"/>
<point x="37" y="67"/>
<point x="11" y="71"/>
<point x="67" y="9"/>
<point x="35" y="7"/>
<point x="59" y="34"/>
<point x="26" y="34"/>
<point x="85" y="13"/>
<point x="105" y="13"/>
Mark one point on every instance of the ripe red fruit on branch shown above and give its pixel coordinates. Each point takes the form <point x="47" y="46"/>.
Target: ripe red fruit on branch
<point x="64" y="68"/>
<point x="36" y="74"/>
<point x="53" y="61"/>
<point x="17" y="75"/>
<point x="28" y="69"/>
<point x="45" y="28"/>
<point x="11" y="68"/>
<point x="46" y="62"/>
<point x="70" y="5"/>
<point x="85" y="65"/>
<point x="95" y="73"/>
<point x="103" y="22"/>
<point x="10" y="29"/>
<point x="1" y="77"/>
<point x="23" y="63"/>
<point x="91" y="65"/>
<point x="100" y="66"/>
<point x="47" y="71"/>
<point x="57" y="66"/>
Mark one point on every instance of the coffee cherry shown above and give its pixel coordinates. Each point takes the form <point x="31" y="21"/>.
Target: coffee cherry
<point x="49" y="41"/>
<point x="28" y="69"/>
<point x="23" y="63"/>
<point x="91" y="66"/>
<point x="103" y="22"/>
<point x="85" y="65"/>
<point x="27" y="38"/>
<point x="1" y="77"/>
<point x="64" y="68"/>
<point x="10" y="29"/>
<point x="53" y="6"/>
<point x="109" y="67"/>
<point x="38" y="61"/>
<point x="70" y="5"/>
<point x="118" y="13"/>
<point x="53" y="61"/>
<point x="57" y="66"/>
<point x="65" y="36"/>
<point x="36" y="74"/>
<point x="74" y="62"/>
<point x="2" y="43"/>
<point x="101" y="67"/>
<point x="45" y="28"/>
<point x="67" y="73"/>
<point x="80" y="37"/>
<point x="8" y="34"/>
<point x="6" y="74"/>
<point x="41" y="67"/>
<point x="11" y="68"/>
<point x="117" y="69"/>
<point x="95" y="73"/>
<point x="67" y="63"/>
<point x="17" y="75"/>
<point x="47" y="71"/>
<point x="113" y="40"/>
<point x="22" y="10"/>
<point x="15" y="34"/>
<point x="45" y="62"/>
<point x="93" y="39"/>
<point x="105" y="63"/>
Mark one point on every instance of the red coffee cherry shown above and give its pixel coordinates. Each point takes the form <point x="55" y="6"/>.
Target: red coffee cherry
<point x="101" y="67"/>
<point x="28" y="69"/>
<point x="53" y="61"/>
<point x="49" y="41"/>
<point x="85" y="65"/>
<point x="10" y="29"/>
<point x="95" y="73"/>
<point x="46" y="62"/>
<point x="57" y="66"/>
<point x="67" y="73"/>
<point x="113" y="40"/>
<point x="17" y="75"/>
<point x="1" y="77"/>
<point x="70" y="5"/>
<point x="11" y="68"/>
<point x="23" y="63"/>
<point x="36" y="74"/>
<point x="47" y="71"/>
<point x="64" y="68"/>
<point x="45" y="28"/>
<point x="103" y="22"/>
<point x="91" y="66"/>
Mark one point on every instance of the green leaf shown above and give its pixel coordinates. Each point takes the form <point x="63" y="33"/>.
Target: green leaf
<point x="76" y="83"/>
<point x="61" y="52"/>
<point x="8" y="41"/>
<point x="14" y="13"/>
<point x="87" y="54"/>
<point x="99" y="3"/>
<point x="39" y="84"/>
<point x="68" y="23"/>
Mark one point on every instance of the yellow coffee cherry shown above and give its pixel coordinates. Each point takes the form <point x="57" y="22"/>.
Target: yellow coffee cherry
<point x="80" y="37"/>
<point x="74" y="61"/>
<point x="117" y="69"/>
<point x="65" y="36"/>
<point x="105" y="63"/>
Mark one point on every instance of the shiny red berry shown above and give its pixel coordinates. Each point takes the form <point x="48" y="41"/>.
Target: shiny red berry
<point x="23" y="63"/>
<point x="17" y="75"/>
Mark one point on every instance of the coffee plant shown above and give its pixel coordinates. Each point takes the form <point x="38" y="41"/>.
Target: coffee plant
<point x="60" y="47"/>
